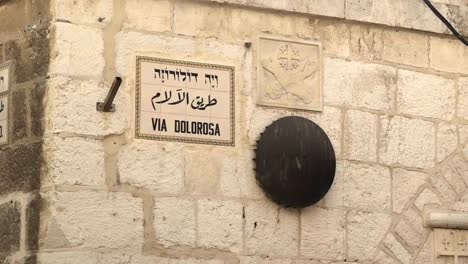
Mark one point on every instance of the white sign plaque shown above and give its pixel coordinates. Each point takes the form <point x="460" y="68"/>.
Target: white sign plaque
<point x="4" y="78"/>
<point x="185" y="101"/>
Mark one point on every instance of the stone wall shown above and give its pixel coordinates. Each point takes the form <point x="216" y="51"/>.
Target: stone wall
<point x="396" y="110"/>
<point x="24" y="43"/>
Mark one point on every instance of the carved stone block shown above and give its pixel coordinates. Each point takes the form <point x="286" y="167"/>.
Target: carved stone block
<point x="451" y="246"/>
<point x="289" y="74"/>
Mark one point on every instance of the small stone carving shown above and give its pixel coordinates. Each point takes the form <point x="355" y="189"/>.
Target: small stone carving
<point x="289" y="74"/>
<point x="451" y="246"/>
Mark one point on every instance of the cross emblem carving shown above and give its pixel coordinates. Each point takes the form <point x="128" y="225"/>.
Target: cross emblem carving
<point x="446" y="243"/>
<point x="452" y="245"/>
<point x="288" y="57"/>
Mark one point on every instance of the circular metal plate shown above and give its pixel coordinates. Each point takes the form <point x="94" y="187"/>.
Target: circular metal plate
<point x="295" y="162"/>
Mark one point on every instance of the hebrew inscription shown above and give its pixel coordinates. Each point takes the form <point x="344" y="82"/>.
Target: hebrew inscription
<point x="4" y="96"/>
<point x="185" y="101"/>
<point x="289" y="74"/>
<point x="451" y="246"/>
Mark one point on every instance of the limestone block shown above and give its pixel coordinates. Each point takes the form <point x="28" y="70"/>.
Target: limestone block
<point x="68" y="257"/>
<point x="426" y="95"/>
<point x="158" y="20"/>
<point x="392" y="244"/>
<point x="365" y="231"/>
<point x="447" y="193"/>
<point x="271" y="230"/>
<point x="359" y="84"/>
<point x="383" y="258"/>
<point x="74" y="161"/>
<point x="174" y="221"/>
<point x="366" y="42"/>
<point x="78" y="51"/>
<point x="323" y="233"/>
<point x="338" y="195"/>
<point x="336" y="39"/>
<point x="414" y="218"/>
<point x="192" y="18"/>
<point x="202" y="172"/>
<point x="409" y="235"/>
<point x="405" y="186"/>
<point x="426" y="197"/>
<point x="90" y="219"/>
<point x="220" y="224"/>
<point x="455" y="174"/>
<point x="371" y="11"/>
<point x="260" y="260"/>
<point x="425" y="255"/>
<point x="97" y="12"/>
<point x="369" y="187"/>
<point x="462" y="106"/>
<point x="72" y="108"/>
<point x="153" y="165"/>
<point x="10" y="223"/>
<point x="194" y="261"/>
<point x="408" y="142"/>
<point x="447" y="140"/>
<point x="406" y="48"/>
<point x="360" y="136"/>
<point x="448" y="55"/>
<point x="159" y="260"/>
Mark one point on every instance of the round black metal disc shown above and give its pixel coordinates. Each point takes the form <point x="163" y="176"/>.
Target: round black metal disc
<point x="295" y="162"/>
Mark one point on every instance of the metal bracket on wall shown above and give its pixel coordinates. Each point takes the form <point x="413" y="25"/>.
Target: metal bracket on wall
<point x="107" y="105"/>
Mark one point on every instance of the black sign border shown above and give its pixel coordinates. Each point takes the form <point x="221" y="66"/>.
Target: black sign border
<point x="139" y="135"/>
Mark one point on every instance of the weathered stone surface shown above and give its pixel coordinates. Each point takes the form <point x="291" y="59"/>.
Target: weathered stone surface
<point x="365" y="231"/>
<point x="425" y="255"/>
<point x="160" y="21"/>
<point x="448" y="55"/>
<point x="19" y="129"/>
<point x="455" y="174"/>
<point x="366" y="42"/>
<point x="462" y="106"/>
<point x="89" y="219"/>
<point x="33" y="223"/>
<point x="408" y="142"/>
<point x="360" y="136"/>
<point x="409" y="235"/>
<point x="10" y="227"/>
<point x="66" y="95"/>
<point x="414" y="98"/>
<point x="174" y="221"/>
<point x="77" y="257"/>
<point x="383" y="258"/>
<point x="202" y="172"/>
<point x="405" y="186"/>
<point x="36" y="105"/>
<point x="397" y="249"/>
<point x="426" y="197"/>
<point x="447" y="140"/>
<point x="359" y="84"/>
<point x="152" y="165"/>
<point x="369" y="187"/>
<point x="220" y="224"/>
<point x="447" y="193"/>
<point x="74" y="161"/>
<point x="322" y="233"/>
<point x="78" y="51"/>
<point x="336" y="39"/>
<point x="260" y="260"/>
<point x="414" y="218"/>
<point x="270" y="230"/>
<point x="406" y="48"/>
<point x="84" y="12"/>
<point x="20" y="168"/>
<point x="338" y="195"/>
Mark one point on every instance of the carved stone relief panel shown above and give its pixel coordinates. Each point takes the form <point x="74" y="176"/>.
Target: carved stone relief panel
<point x="289" y="74"/>
<point x="451" y="246"/>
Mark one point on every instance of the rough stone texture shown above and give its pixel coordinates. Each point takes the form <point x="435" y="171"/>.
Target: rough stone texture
<point x="336" y="40"/>
<point x="89" y="219"/>
<point x="220" y="224"/>
<point x="397" y="249"/>
<point x="271" y="229"/>
<point x="441" y="185"/>
<point x="426" y="197"/>
<point x="406" y="48"/>
<point x="462" y="106"/>
<point x="447" y="140"/>
<point x="365" y="231"/>
<point x="33" y="223"/>
<point x="160" y="21"/>
<point x="448" y="55"/>
<point x="78" y="51"/>
<point x="407" y="142"/>
<point x="20" y="168"/>
<point x="405" y="186"/>
<point x="10" y="227"/>
<point x="425" y="95"/>
<point x="202" y="172"/>
<point x="322" y="233"/>
<point x="260" y="260"/>
<point x="359" y="84"/>
<point x="366" y="42"/>
<point x="369" y="187"/>
<point x="414" y="218"/>
<point x="425" y="255"/>
<point x="361" y="136"/>
<point x="164" y="162"/>
<point x="383" y="258"/>
<point x="409" y="235"/>
<point x="174" y="221"/>
<point x="19" y="128"/>
<point x="74" y="161"/>
<point x="338" y="195"/>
